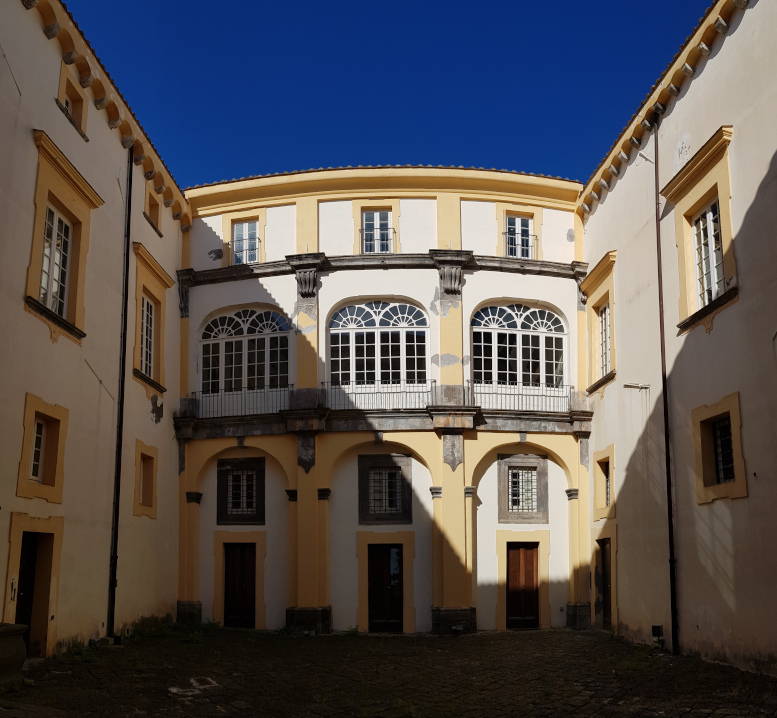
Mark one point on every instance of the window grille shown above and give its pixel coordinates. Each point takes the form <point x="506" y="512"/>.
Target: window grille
<point x="241" y="492"/>
<point x="724" y="451"/>
<point x="604" y="339"/>
<point x="606" y="471"/>
<point x="147" y="337"/>
<point x="55" y="270"/>
<point x="709" y="254"/>
<point x="385" y="490"/>
<point x="522" y="491"/>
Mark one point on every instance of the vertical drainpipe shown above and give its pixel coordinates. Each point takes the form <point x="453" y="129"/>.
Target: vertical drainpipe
<point x="664" y="392"/>
<point x="122" y="382"/>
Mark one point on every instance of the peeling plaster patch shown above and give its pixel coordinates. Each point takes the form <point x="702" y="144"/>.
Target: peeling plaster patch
<point x="157" y="409"/>
<point x="308" y="330"/>
<point x="436" y="359"/>
<point x="309" y="308"/>
<point x="447" y="304"/>
<point x="433" y="306"/>
<point x="449" y="360"/>
<point x="584" y="452"/>
<point x="465" y="360"/>
<point x="216" y="254"/>
<point x="452" y="450"/>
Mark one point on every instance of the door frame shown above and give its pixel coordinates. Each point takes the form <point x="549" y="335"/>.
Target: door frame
<point x="608" y="531"/>
<point x="407" y="539"/>
<point x="219" y="539"/>
<point x="21" y="522"/>
<point x="542" y="539"/>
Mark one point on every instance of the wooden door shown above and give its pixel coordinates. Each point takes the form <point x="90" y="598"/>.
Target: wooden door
<point x="604" y="583"/>
<point x="26" y="586"/>
<point x="240" y="585"/>
<point x="523" y="588"/>
<point x="385" y="588"/>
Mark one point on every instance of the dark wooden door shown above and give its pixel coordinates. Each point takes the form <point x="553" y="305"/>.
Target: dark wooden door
<point x="26" y="587"/>
<point x="523" y="588"/>
<point x="606" y="581"/>
<point x="385" y="588"/>
<point x="240" y="585"/>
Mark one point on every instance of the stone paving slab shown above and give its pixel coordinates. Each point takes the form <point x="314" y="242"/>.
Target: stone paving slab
<point x="241" y="673"/>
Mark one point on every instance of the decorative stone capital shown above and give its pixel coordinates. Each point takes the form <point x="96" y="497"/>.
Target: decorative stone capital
<point x="323" y="494"/>
<point x="449" y="263"/>
<point x="193" y="497"/>
<point x="29" y="4"/>
<point x="306" y="268"/>
<point x="186" y="228"/>
<point x="169" y="202"/>
<point x="177" y="216"/>
<point x="159" y="188"/>
<point x="139" y="159"/>
<point x="436" y="492"/>
<point x="469" y="492"/>
<point x="127" y="141"/>
<point x="86" y="80"/>
<point x="572" y="494"/>
<point x="150" y="175"/>
<point x="581" y="270"/>
<point x="185" y="280"/>
<point x="70" y="57"/>
<point x="51" y="31"/>
<point x="114" y="122"/>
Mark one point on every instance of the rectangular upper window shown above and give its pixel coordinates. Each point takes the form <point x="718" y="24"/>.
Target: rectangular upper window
<point x="245" y="243"/>
<point x="147" y="336"/>
<point x="240" y="491"/>
<point x="377" y="232"/>
<point x="723" y="448"/>
<point x="604" y="340"/>
<point x="385" y="494"/>
<point x="54" y="277"/>
<point x="519" y="241"/>
<point x="522" y="489"/>
<point x="146" y="458"/>
<point x="708" y="254"/>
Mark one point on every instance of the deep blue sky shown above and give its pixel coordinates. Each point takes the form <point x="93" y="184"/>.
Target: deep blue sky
<point x="231" y="89"/>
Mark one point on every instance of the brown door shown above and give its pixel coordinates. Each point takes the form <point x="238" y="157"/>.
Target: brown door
<point x="603" y="581"/>
<point x="240" y="585"/>
<point x="34" y="588"/>
<point x="385" y="589"/>
<point x="523" y="589"/>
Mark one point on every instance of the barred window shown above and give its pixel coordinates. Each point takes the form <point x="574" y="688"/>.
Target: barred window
<point x="240" y="491"/>
<point x="724" y="451"/>
<point x="522" y="491"/>
<point x="385" y="494"/>
<point x="709" y="254"/>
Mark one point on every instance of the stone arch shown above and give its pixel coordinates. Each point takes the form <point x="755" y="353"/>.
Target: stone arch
<point x="69" y="53"/>
<point x="85" y="75"/>
<point x="100" y="94"/>
<point x="361" y="300"/>
<point x="115" y="115"/>
<point x="528" y="303"/>
<point x="127" y="137"/>
<point x="168" y="197"/>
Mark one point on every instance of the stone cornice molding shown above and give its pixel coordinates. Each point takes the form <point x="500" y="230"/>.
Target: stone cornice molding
<point x="65" y="168"/>
<point x="152" y="265"/>
<point x="599" y="273"/>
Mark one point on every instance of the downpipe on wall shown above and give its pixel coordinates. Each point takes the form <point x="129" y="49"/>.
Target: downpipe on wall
<point x="112" y="582"/>
<point x="656" y="118"/>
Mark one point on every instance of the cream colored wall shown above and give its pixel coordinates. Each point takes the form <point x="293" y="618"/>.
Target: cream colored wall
<point x="335" y="228"/>
<point x="276" y="562"/>
<point x="417" y="225"/>
<point x="206" y="237"/>
<point x="556" y="228"/>
<point x="281" y="232"/>
<point x="37" y="365"/>
<point x="489" y="582"/>
<point x="479" y="231"/>
<point x="344" y="524"/>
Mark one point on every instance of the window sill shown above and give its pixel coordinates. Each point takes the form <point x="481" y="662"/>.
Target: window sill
<point x="151" y="222"/>
<point x="705" y="315"/>
<point x="601" y="383"/>
<point x="139" y="375"/>
<point x="71" y="120"/>
<point x="62" y="323"/>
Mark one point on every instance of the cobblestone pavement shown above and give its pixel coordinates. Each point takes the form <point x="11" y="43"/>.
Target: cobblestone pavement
<point x="237" y="673"/>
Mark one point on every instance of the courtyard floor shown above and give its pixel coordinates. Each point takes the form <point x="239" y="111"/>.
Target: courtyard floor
<point x="213" y="672"/>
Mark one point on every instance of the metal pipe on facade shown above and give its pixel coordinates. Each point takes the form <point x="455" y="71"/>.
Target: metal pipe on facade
<point x="664" y="391"/>
<point x="112" y="582"/>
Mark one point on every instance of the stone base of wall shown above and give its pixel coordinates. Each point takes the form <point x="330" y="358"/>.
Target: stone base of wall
<point x="189" y="612"/>
<point x="12" y="654"/>
<point x="450" y="621"/>
<point x="579" y="616"/>
<point x="309" y="620"/>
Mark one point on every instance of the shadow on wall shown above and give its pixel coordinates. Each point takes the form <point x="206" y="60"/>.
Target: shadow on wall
<point x="724" y="527"/>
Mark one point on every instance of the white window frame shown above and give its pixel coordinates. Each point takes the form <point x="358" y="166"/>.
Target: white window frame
<point x="147" y="348"/>
<point x="708" y="254"/>
<point x="518" y="237"/>
<point x="604" y="339"/>
<point x="39" y="450"/>
<point x="380" y="244"/>
<point x="248" y="252"/>
<point x="55" y="268"/>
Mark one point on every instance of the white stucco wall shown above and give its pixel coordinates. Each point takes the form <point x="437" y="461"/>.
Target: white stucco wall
<point x="479" y="231"/>
<point x="281" y="232"/>
<point x="344" y="525"/>
<point x="417" y="225"/>
<point x="276" y="561"/>
<point x="335" y="228"/>
<point x="558" y="236"/>
<point x="206" y="236"/>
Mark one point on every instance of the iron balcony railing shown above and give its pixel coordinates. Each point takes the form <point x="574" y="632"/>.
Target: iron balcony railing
<point x="520" y="246"/>
<point x="378" y="240"/>
<point x="376" y="395"/>
<point x="243" y="251"/>
<point x="244" y="402"/>
<point x="521" y="397"/>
